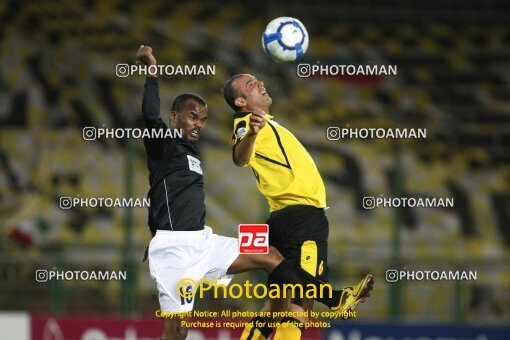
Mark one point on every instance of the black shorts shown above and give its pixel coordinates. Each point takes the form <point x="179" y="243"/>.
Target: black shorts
<point x="300" y="233"/>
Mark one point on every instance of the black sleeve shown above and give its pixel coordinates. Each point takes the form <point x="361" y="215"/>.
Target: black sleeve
<point x="151" y="117"/>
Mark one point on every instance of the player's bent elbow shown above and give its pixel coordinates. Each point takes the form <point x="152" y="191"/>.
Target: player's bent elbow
<point x="271" y="260"/>
<point x="240" y="163"/>
<point x="239" y="157"/>
<point x="275" y="254"/>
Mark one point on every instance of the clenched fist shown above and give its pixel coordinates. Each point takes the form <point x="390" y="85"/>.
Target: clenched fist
<point x="145" y="55"/>
<point x="257" y="121"/>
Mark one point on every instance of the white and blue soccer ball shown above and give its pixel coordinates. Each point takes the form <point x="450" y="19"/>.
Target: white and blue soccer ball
<point x="285" y="39"/>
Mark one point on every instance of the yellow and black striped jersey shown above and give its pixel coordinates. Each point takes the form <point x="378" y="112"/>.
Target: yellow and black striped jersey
<point x="286" y="173"/>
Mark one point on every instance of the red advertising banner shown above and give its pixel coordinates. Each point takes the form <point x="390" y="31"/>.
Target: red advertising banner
<point x="94" y="327"/>
<point x="128" y="328"/>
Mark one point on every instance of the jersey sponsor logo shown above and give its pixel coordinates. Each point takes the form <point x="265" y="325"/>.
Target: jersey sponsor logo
<point x="241" y="132"/>
<point x="309" y="257"/>
<point x="253" y="239"/>
<point x="194" y="164"/>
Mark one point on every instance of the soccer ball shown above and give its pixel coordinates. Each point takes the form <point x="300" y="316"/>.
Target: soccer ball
<point x="285" y="39"/>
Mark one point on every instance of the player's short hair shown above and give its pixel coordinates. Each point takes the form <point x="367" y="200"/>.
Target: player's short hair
<point x="180" y="101"/>
<point x="230" y="93"/>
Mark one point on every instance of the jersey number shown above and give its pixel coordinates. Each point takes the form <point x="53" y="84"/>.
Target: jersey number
<point x="187" y="292"/>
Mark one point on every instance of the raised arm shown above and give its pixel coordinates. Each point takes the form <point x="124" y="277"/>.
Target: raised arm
<point x="243" y="150"/>
<point x="151" y="103"/>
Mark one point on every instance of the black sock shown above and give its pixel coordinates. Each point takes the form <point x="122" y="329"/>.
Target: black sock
<point x="261" y="326"/>
<point x="299" y="324"/>
<point x="288" y="272"/>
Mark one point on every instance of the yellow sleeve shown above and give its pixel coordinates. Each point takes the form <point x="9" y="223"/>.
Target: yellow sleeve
<point x="241" y="128"/>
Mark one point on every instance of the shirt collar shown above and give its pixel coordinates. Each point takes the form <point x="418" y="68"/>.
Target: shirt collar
<point x="244" y="114"/>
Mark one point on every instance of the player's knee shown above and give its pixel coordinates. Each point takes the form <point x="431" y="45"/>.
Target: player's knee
<point x="273" y="258"/>
<point x="275" y="254"/>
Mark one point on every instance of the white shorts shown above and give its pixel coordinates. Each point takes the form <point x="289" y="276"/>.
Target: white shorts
<point x="175" y="255"/>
